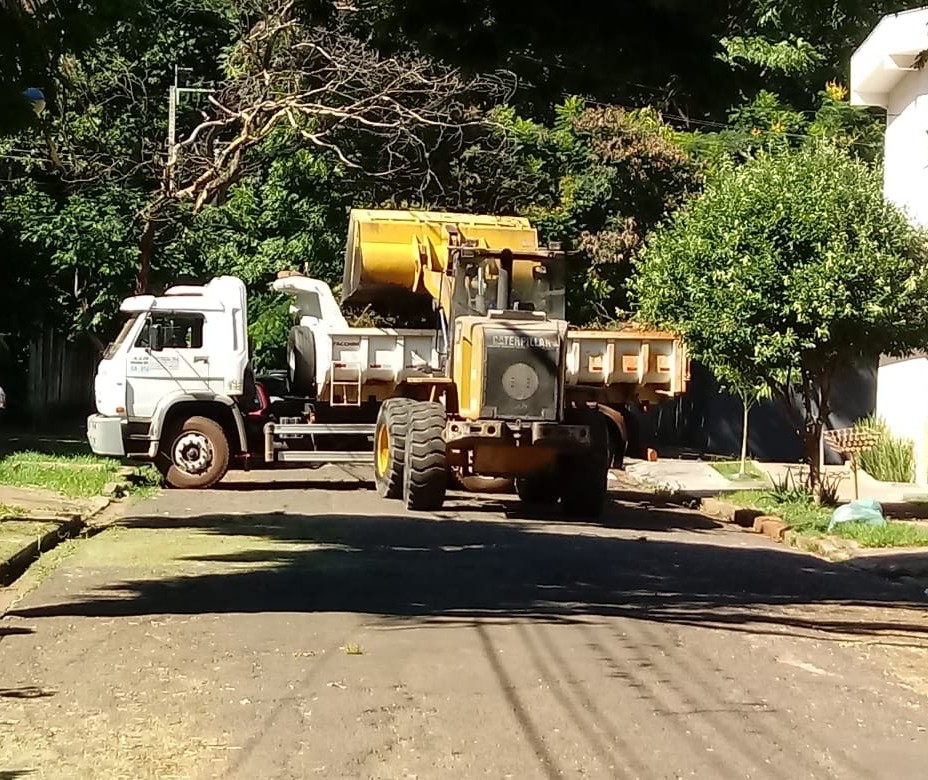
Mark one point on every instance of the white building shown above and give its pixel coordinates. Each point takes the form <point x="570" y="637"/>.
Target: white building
<point x="888" y="70"/>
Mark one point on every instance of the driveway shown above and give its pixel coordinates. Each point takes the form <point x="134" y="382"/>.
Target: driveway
<point x="298" y="626"/>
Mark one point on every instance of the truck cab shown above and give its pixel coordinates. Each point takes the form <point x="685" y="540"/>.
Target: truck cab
<point x="180" y="355"/>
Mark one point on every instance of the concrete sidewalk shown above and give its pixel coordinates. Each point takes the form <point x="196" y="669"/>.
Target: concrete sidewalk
<point x="695" y="477"/>
<point x="33" y="521"/>
<point x="698" y="478"/>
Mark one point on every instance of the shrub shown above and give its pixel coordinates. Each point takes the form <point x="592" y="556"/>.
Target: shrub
<point x="893" y="458"/>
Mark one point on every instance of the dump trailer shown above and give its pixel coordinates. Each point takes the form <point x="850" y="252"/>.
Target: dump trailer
<point x="498" y="387"/>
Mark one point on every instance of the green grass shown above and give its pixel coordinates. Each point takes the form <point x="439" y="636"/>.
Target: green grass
<point x="731" y="470"/>
<point x="803" y="516"/>
<point x="893" y="458"/>
<point x="896" y="534"/>
<point x="76" y="476"/>
<point x="806" y="518"/>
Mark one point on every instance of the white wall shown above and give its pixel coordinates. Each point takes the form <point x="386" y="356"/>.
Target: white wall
<point x="902" y="401"/>
<point x="906" y="165"/>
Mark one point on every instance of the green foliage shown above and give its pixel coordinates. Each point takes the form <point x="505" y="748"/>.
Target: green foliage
<point x="76" y="476"/>
<point x="792" y="262"/>
<point x="797" y="509"/>
<point x="792" y="56"/>
<point x="732" y="471"/>
<point x="78" y="179"/>
<point x="597" y="178"/>
<point x="805" y="517"/>
<point x="893" y="458"/>
<point x="787" y="269"/>
<point x="768" y="123"/>
<point x="893" y="534"/>
<point x="268" y="327"/>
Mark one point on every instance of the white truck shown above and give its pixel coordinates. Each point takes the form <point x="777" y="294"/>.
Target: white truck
<point x="175" y="387"/>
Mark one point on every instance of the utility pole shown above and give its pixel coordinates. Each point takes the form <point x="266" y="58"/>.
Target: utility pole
<point x="174" y="93"/>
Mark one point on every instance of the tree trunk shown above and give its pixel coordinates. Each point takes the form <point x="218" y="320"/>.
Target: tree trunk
<point x="812" y="434"/>
<point x="816" y="388"/>
<point x="744" y="439"/>
<point x="146" y="243"/>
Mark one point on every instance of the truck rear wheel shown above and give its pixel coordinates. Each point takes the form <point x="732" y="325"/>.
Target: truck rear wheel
<point x="390" y="446"/>
<point x="584" y="476"/>
<point x="197" y="454"/>
<point x="425" y="476"/>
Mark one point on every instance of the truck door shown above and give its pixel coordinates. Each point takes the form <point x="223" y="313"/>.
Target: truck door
<point x="168" y="355"/>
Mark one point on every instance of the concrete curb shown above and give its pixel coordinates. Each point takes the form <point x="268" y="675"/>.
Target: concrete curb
<point x="18" y="562"/>
<point x="69" y="526"/>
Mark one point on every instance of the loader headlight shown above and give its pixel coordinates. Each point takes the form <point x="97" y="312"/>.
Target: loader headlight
<point x="520" y="381"/>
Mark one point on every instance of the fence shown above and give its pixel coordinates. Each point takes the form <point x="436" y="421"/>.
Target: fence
<point x="60" y="376"/>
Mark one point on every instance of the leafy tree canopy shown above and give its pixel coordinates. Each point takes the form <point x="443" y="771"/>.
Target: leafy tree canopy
<point x="786" y="270"/>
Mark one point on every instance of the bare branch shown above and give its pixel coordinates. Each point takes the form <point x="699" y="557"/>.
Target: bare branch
<point x="375" y="113"/>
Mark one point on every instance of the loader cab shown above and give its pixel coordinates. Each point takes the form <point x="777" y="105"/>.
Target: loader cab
<point x="534" y="285"/>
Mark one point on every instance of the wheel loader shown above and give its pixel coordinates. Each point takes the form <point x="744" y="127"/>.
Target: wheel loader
<point x="499" y="387"/>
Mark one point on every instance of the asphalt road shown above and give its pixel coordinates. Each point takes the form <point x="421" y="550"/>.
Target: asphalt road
<point x="267" y="630"/>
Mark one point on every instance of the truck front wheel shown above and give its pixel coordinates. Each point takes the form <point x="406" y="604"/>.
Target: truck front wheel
<point x="196" y="455"/>
<point x="425" y="475"/>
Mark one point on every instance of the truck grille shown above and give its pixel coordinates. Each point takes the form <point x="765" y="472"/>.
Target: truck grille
<point x="521" y="374"/>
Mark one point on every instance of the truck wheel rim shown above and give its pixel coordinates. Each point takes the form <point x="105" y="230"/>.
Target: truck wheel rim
<point x="193" y="453"/>
<point x="383" y="449"/>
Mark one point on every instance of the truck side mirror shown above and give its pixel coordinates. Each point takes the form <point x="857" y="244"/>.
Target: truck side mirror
<point x="156" y="337"/>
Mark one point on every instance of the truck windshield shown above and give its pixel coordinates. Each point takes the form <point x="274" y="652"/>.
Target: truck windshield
<point x="114" y="346"/>
<point x="534" y="286"/>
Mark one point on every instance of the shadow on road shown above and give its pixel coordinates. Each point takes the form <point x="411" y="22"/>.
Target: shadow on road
<point x="234" y="483"/>
<point x="15" y="631"/>
<point x="458" y="569"/>
<point x="28" y="692"/>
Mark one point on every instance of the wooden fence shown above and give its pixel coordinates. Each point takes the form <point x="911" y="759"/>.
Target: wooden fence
<point x="60" y="376"/>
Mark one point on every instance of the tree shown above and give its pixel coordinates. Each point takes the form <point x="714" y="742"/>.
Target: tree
<point x="596" y="177"/>
<point x="789" y="269"/>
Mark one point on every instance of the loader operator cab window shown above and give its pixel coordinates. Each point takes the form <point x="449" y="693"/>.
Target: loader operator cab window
<point x="176" y="331"/>
<point x="534" y="287"/>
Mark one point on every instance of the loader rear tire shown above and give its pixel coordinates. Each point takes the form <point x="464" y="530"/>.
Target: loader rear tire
<point x="425" y="476"/>
<point x="390" y="446"/>
<point x="584" y="476"/>
<point x="538" y="489"/>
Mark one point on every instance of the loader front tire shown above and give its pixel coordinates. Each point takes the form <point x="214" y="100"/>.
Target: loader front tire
<point x="425" y="476"/>
<point x="390" y="446"/>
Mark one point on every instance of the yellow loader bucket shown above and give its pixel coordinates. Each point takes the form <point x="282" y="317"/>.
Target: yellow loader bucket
<point x="393" y="251"/>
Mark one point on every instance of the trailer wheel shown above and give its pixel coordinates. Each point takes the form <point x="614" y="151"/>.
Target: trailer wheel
<point x="425" y="476"/>
<point x="197" y="454"/>
<point x="584" y="476"/>
<point x="540" y="489"/>
<point x="301" y="361"/>
<point x="390" y="446"/>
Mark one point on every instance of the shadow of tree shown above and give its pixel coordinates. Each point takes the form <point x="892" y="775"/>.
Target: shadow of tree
<point x="418" y="569"/>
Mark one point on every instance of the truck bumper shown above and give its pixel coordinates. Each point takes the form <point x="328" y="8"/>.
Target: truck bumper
<point x="105" y="435"/>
